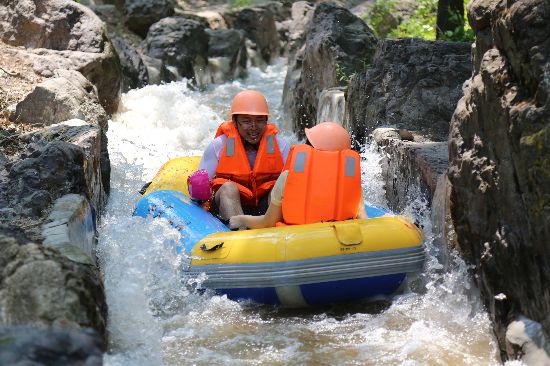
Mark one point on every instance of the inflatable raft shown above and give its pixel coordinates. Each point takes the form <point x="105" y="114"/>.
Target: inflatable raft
<point x="293" y="266"/>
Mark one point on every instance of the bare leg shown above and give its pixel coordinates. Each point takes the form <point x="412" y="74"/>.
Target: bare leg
<point x="228" y="200"/>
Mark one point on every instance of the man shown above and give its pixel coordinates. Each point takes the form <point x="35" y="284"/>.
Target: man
<point x="322" y="182"/>
<point x="245" y="158"/>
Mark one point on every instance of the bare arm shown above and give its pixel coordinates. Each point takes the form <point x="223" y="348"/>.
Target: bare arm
<point x="273" y="215"/>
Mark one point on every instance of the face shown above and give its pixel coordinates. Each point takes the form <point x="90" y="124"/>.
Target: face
<point x="251" y="128"/>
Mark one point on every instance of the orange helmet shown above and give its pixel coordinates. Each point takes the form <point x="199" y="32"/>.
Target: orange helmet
<point x="249" y="102"/>
<point x="328" y="136"/>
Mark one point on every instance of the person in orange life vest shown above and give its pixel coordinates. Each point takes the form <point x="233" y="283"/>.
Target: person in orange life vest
<point x="320" y="182"/>
<point x="245" y="158"/>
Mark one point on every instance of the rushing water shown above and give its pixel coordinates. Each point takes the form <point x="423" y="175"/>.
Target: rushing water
<point x="154" y="319"/>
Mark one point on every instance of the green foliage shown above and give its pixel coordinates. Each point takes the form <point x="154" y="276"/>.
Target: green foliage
<point x="421" y="24"/>
<point x="240" y="3"/>
<point x="463" y="32"/>
<point x="381" y="18"/>
<point x="344" y="76"/>
<point x="341" y="75"/>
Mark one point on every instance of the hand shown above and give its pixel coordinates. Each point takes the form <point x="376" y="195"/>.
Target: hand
<point x="236" y="222"/>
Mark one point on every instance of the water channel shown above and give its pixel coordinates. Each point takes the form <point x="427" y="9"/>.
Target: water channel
<point x="156" y="319"/>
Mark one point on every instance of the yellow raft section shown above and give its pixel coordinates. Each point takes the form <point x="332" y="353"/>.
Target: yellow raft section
<point x="293" y="242"/>
<point x="173" y="175"/>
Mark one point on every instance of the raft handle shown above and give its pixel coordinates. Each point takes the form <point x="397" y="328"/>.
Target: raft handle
<point x="211" y="248"/>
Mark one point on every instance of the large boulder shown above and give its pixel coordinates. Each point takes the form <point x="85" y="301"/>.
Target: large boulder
<point x="500" y="157"/>
<point x="50" y="163"/>
<point x="134" y="71"/>
<point x="39" y="286"/>
<point x="226" y="54"/>
<point x="139" y="15"/>
<point x="67" y="95"/>
<point x="258" y="24"/>
<point x="338" y="44"/>
<point x="181" y="43"/>
<point x="411" y="83"/>
<point x="59" y="34"/>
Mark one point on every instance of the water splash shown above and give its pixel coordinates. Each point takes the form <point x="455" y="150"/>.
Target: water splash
<point x="155" y="319"/>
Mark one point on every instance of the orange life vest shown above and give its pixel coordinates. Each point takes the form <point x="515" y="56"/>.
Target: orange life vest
<point x="234" y="166"/>
<point x="321" y="185"/>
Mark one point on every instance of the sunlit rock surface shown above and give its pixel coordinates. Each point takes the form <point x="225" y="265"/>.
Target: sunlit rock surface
<point x="412" y="84"/>
<point x="72" y="38"/>
<point x="500" y="155"/>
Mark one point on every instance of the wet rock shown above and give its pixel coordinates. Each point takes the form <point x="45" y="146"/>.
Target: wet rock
<point x="158" y="71"/>
<point x="71" y="229"/>
<point x="47" y="168"/>
<point x="141" y="14"/>
<point x="134" y="71"/>
<point x="63" y="35"/>
<point x="499" y="151"/>
<point x="410" y="164"/>
<point x="24" y="345"/>
<point x="412" y="84"/>
<point x="92" y="141"/>
<point x="258" y="25"/>
<point x="226" y="54"/>
<point x="180" y="43"/>
<point x="337" y="45"/>
<point x="39" y="286"/>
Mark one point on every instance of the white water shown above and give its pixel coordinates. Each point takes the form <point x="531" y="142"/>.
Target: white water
<point x="155" y="320"/>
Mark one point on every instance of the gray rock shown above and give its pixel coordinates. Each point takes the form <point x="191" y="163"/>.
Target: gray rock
<point x="25" y="345"/>
<point x="39" y="286"/>
<point x="181" y="43"/>
<point x="409" y="164"/>
<point x="500" y="154"/>
<point x="301" y="15"/>
<point x="158" y="71"/>
<point x="259" y="28"/>
<point x="71" y="229"/>
<point x="337" y="45"/>
<point x="413" y="84"/>
<point x="226" y="54"/>
<point x="72" y="38"/>
<point x="141" y="14"/>
<point x="69" y="25"/>
<point x="66" y="96"/>
<point x="134" y="71"/>
<point x="92" y="141"/>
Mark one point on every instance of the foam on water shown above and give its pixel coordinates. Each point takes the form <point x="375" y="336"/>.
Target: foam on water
<point x="155" y="319"/>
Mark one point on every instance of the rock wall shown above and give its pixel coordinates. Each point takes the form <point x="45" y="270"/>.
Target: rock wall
<point x="412" y="84"/>
<point x="500" y="165"/>
<point x="54" y="181"/>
